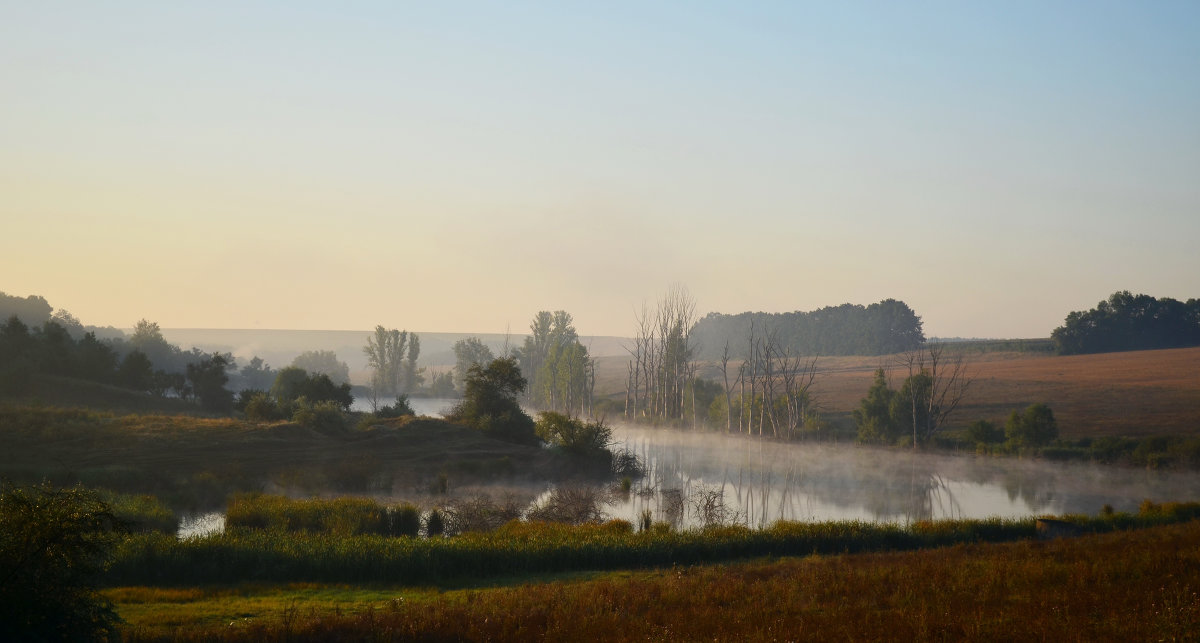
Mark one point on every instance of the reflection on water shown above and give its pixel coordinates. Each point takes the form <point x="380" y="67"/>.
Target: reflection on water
<point x="201" y="524"/>
<point x="763" y="481"/>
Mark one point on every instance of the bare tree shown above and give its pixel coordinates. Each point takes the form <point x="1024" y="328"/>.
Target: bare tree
<point x="936" y="385"/>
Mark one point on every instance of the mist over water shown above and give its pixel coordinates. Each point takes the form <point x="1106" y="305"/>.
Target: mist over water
<point x="764" y="481"/>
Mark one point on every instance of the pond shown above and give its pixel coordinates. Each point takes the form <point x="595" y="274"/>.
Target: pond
<point x="758" y="482"/>
<point x="695" y="478"/>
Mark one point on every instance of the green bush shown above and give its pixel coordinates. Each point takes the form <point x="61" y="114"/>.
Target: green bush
<point x="325" y="416"/>
<point x="984" y="432"/>
<point x="142" y="512"/>
<point x="53" y="545"/>
<point x="1033" y="428"/>
<point x="405" y="520"/>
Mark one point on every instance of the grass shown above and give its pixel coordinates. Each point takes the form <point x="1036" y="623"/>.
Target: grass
<point x="535" y="548"/>
<point x="1134" y="585"/>
<point x="198" y="461"/>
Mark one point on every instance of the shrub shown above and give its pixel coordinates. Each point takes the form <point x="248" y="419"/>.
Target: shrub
<point x="570" y="505"/>
<point x="322" y="416"/>
<point x="435" y="524"/>
<point x="262" y="408"/>
<point x="984" y="432"/>
<point x="405" y="520"/>
<point x="53" y="544"/>
<point x="1033" y="428"/>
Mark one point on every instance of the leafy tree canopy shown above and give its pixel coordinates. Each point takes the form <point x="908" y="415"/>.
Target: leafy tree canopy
<point x="53" y="544"/>
<point x="490" y="402"/>
<point x="883" y="328"/>
<point x="323" y="362"/>
<point x="1126" y="322"/>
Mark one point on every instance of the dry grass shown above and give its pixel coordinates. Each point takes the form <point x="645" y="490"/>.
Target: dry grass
<point x="1124" y="586"/>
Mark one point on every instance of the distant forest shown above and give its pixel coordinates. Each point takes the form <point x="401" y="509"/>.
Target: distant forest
<point x="1128" y="322"/>
<point x="889" y="326"/>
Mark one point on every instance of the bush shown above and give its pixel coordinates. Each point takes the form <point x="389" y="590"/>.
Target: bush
<point x="53" y="544"/>
<point x="1034" y="428"/>
<point x="262" y="408"/>
<point x="435" y="525"/>
<point x="405" y="520"/>
<point x="984" y="432"/>
<point x="323" y="416"/>
<point x="399" y="409"/>
<point x="572" y="434"/>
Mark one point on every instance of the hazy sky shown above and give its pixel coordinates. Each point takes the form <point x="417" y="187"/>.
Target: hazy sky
<point x="458" y="166"/>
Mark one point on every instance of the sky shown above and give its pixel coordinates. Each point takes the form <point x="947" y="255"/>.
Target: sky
<point x="459" y="166"/>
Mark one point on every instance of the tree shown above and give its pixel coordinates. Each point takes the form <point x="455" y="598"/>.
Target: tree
<point x="1034" y="428"/>
<point x="208" y="381"/>
<point x="469" y="352"/>
<point x="53" y="545"/>
<point x="573" y="435"/>
<point x="70" y="322"/>
<point x="293" y="383"/>
<point x="562" y="372"/>
<point x="325" y="362"/>
<point x="442" y="384"/>
<point x="32" y="310"/>
<point x="412" y="374"/>
<point x="385" y="351"/>
<point x="490" y="402"/>
<point x="136" y="371"/>
<point x="662" y="354"/>
<point x="874" y="414"/>
<point x="257" y="375"/>
<point x="1130" y="322"/>
<point x="148" y="339"/>
<point x="937" y="383"/>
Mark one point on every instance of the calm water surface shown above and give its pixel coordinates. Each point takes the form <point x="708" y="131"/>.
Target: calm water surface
<point x="762" y="481"/>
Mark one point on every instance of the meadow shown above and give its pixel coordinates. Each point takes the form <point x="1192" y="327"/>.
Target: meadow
<point x="1126" y="585"/>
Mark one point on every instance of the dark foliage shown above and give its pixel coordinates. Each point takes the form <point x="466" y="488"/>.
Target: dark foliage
<point x="1127" y="322"/>
<point x="53" y="544"/>
<point x="889" y="326"/>
<point x="490" y="402"/>
<point x="294" y="383"/>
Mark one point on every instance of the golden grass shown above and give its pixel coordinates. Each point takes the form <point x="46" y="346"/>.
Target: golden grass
<point x="1138" y="585"/>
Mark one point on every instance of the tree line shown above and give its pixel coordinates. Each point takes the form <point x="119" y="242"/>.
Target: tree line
<point x="882" y="328"/>
<point x="1128" y="322"/>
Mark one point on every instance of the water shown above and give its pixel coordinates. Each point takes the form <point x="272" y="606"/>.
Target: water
<point x="431" y="406"/>
<point x="759" y="482"/>
<point x="201" y="524"/>
<point x="693" y="478"/>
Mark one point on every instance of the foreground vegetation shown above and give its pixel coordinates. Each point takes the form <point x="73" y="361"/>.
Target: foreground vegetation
<point x="534" y="548"/>
<point x="1134" y="585"/>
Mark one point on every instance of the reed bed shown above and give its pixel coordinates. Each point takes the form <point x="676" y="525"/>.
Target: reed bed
<point x="1127" y="586"/>
<point x="142" y="512"/>
<point x="343" y="516"/>
<point x="532" y="548"/>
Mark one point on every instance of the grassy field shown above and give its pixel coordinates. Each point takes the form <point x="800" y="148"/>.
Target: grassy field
<point x="1132" y="394"/>
<point x="1134" y="585"/>
<point x="194" y="460"/>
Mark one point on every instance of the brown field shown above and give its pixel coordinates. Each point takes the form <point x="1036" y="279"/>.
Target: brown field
<point x="1131" y="394"/>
